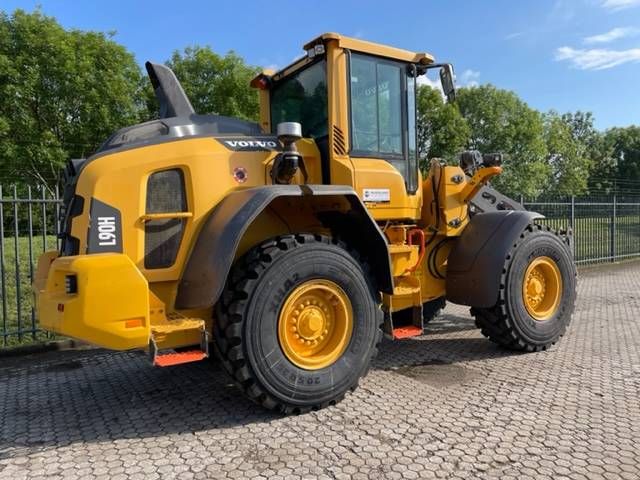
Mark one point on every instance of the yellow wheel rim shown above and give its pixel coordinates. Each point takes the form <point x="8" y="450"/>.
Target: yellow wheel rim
<point x="315" y="324"/>
<point x="542" y="288"/>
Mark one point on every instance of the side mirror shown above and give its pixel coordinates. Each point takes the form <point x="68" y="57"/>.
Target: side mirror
<point x="446" y="79"/>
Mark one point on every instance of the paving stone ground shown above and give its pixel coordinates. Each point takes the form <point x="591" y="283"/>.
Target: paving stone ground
<point x="447" y="405"/>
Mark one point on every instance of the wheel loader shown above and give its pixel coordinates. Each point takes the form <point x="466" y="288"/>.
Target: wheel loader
<point x="293" y="245"/>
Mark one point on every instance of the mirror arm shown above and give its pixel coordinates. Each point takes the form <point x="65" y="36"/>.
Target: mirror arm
<point x="423" y="68"/>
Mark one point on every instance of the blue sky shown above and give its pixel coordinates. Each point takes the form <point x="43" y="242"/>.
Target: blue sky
<point x="562" y="54"/>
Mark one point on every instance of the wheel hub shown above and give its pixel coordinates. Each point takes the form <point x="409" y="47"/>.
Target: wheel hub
<point x="315" y="324"/>
<point x="542" y="288"/>
<point x="535" y="287"/>
<point x="310" y="324"/>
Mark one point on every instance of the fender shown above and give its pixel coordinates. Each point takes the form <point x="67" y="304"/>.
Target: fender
<point x="476" y="259"/>
<point x="215" y="249"/>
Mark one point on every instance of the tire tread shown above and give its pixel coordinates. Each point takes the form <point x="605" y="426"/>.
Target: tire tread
<point x="228" y="325"/>
<point x="495" y="323"/>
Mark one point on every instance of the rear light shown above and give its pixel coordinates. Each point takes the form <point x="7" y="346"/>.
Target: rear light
<point x="263" y="83"/>
<point x="70" y="284"/>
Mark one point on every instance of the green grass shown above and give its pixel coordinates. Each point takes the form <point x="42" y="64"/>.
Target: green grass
<point x="13" y="321"/>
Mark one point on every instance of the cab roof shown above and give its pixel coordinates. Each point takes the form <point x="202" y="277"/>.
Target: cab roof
<point x="350" y="43"/>
<point x="372" y="48"/>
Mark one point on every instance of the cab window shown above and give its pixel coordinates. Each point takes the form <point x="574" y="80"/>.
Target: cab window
<point x="302" y="98"/>
<point x="376" y="102"/>
<point x="382" y="114"/>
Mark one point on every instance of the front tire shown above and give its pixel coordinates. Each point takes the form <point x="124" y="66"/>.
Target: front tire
<point x="298" y="323"/>
<point x="537" y="294"/>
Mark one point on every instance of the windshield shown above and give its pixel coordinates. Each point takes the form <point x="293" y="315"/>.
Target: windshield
<point x="302" y="98"/>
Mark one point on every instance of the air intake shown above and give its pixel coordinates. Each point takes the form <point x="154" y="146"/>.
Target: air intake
<point x="171" y="98"/>
<point x="338" y="142"/>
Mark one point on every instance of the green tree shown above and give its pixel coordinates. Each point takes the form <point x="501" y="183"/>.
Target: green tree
<point x="214" y="83"/>
<point x="599" y="151"/>
<point x="602" y="178"/>
<point x="442" y="131"/>
<point x="62" y="92"/>
<point x="502" y="122"/>
<point x="623" y="144"/>
<point x="569" y="140"/>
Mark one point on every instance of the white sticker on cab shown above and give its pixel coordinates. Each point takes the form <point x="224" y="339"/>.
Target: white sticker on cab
<point x="376" y="195"/>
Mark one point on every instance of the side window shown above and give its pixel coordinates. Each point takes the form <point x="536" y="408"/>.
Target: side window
<point x="383" y="114"/>
<point x="376" y="106"/>
<point x="364" y="105"/>
<point x="165" y="195"/>
<point x="389" y="109"/>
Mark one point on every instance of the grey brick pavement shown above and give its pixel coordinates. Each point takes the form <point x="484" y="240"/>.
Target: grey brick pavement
<point x="448" y="405"/>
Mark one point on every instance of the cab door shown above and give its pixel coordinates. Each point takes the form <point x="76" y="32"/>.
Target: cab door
<point x="383" y="136"/>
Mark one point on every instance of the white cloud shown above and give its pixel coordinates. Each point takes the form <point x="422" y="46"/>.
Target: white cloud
<point x="513" y="35"/>
<point x="469" y="78"/>
<point x="435" y="84"/>
<point x="616" y="5"/>
<point x="597" y="59"/>
<point x="611" y="35"/>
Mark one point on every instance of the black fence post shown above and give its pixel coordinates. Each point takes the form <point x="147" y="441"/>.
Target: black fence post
<point x="612" y="235"/>
<point x="572" y="225"/>
<point x="16" y="260"/>
<point x="2" y="272"/>
<point x="30" y="219"/>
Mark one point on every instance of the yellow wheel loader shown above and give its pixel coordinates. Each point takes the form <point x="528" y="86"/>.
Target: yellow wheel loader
<point x="293" y="244"/>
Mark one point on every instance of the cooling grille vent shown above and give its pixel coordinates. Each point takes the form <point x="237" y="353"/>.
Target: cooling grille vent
<point x="339" y="147"/>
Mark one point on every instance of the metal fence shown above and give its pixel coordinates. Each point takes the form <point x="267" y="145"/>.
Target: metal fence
<point x="28" y="226"/>
<point x="605" y="230"/>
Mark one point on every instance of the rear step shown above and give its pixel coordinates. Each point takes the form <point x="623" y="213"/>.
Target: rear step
<point x="176" y="358"/>
<point x="406" y="332"/>
<point x="178" y="332"/>
<point x="406" y="326"/>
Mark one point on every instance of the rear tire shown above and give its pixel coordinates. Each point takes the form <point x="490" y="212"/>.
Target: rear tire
<point x="261" y="354"/>
<point x="540" y="261"/>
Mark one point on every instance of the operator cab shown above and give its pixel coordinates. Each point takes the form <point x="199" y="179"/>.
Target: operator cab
<point x="357" y="100"/>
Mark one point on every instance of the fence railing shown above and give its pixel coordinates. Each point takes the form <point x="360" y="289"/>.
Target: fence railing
<point x="28" y="226"/>
<point x="604" y="229"/>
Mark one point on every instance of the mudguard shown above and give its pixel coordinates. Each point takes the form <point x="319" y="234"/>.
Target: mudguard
<point x="215" y="249"/>
<point x="476" y="260"/>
